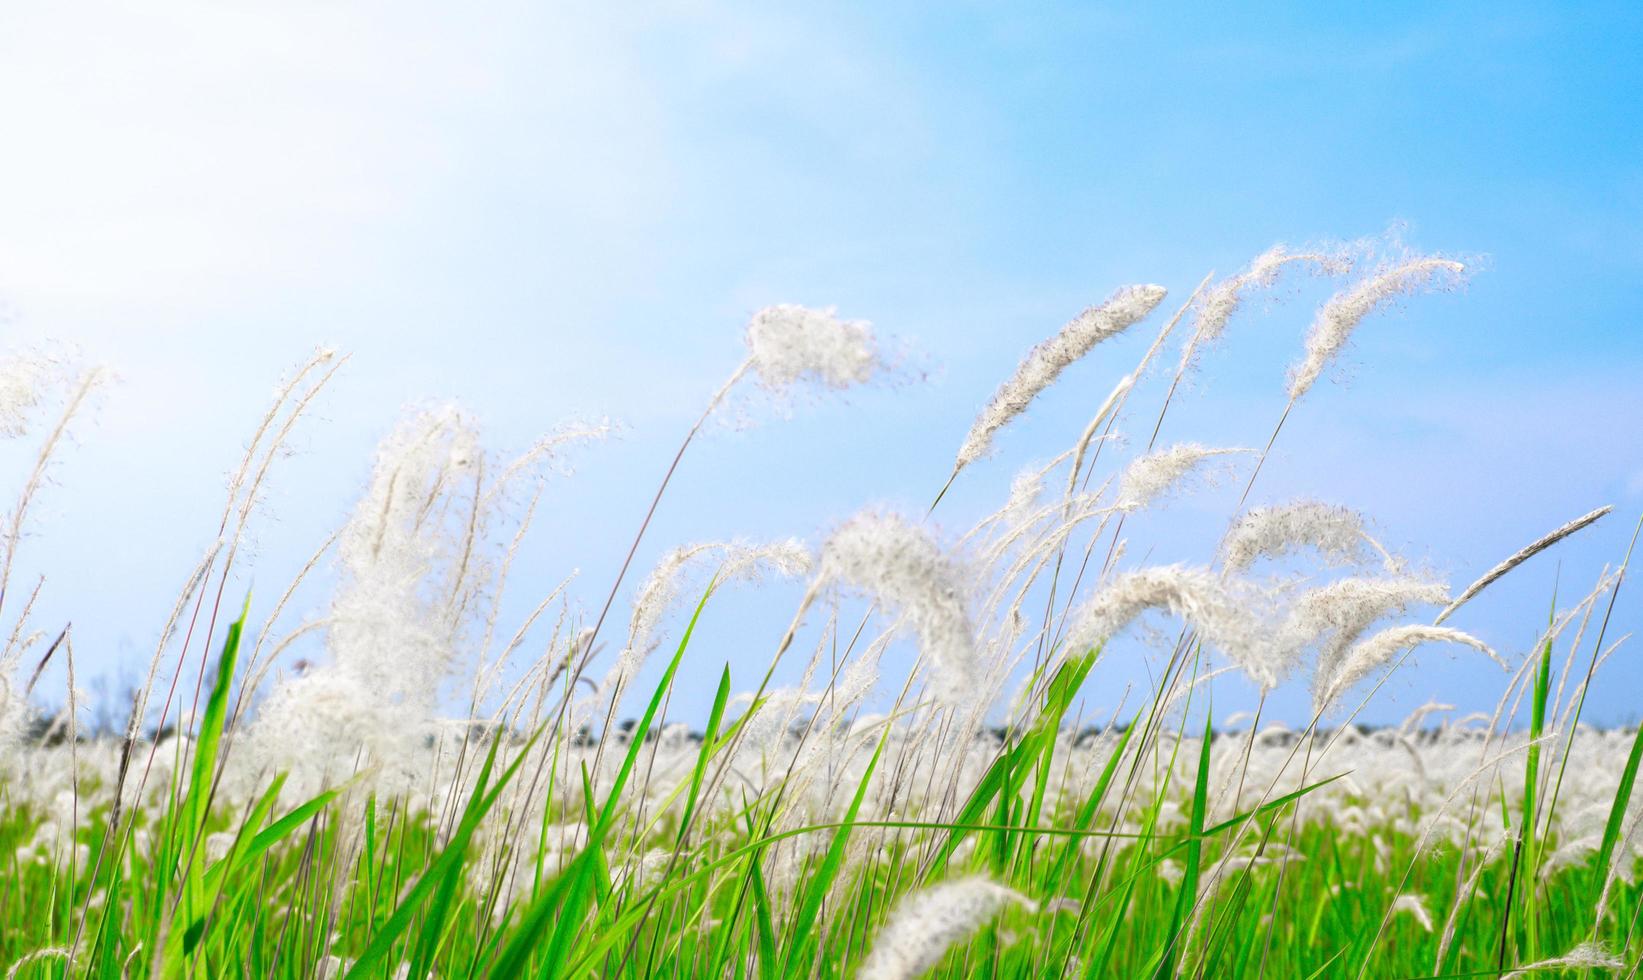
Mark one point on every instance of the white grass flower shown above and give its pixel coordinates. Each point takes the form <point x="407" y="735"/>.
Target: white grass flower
<point x="1152" y="476"/>
<point x="390" y="618"/>
<point x="37" y="956"/>
<point x="927" y="923"/>
<point x="407" y="569"/>
<point x="1375" y="652"/>
<point x="1336" y="533"/>
<point x="15" y="711"/>
<point x="1218" y="303"/>
<point x="546" y="452"/>
<point x="1120" y="391"/>
<point x="658" y="593"/>
<point x="1334" y="616"/>
<point x="313" y="724"/>
<point x="1569" y="854"/>
<point x="1025" y="490"/>
<point x="1044" y="363"/>
<point x="1341" y="314"/>
<point x="1415" y="907"/>
<point x="1222" y="616"/>
<point x="902" y="565"/>
<point x="1415" y="719"/>
<point x="788" y="343"/>
<point x="1586" y="956"/>
<point x="1171" y="872"/>
<point x="1522" y="555"/>
<point x="23" y="381"/>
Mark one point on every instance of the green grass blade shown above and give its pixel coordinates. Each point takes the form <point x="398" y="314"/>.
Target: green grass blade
<point x="1007" y="773"/>
<point x="801" y="935"/>
<point x="709" y="737"/>
<point x="186" y="859"/>
<point x="564" y="900"/>
<point x="479" y="804"/>
<point x="1617" y="812"/>
<point x="1188" y="894"/>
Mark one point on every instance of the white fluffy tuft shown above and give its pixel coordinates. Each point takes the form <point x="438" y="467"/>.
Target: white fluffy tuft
<point x="927" y="923"/>
<point x="1044" y="363"/>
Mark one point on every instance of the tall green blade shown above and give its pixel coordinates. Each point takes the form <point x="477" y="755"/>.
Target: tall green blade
<point x="1617" y="812"/>
<point x="1188" y="895"/>
<point x="564" y="901"/>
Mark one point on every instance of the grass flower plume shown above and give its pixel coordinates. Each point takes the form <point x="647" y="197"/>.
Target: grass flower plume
<point x="1045" y="362"/>
<point x="787" y="344"/>
<point x="1340" y="316"/>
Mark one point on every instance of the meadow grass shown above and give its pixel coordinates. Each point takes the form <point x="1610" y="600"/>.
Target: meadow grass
<point x="334" y="820"/>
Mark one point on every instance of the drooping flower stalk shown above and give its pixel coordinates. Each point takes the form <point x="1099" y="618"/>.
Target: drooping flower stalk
<point x="1336" y="615"/>
<point x="1045" y="362"/>
<point x="1224" y="299"/>
<point x="1147" y="479"/>
<point x="1336" y="533"/>
<point x="1363" y="659"/>
<point x="1585" y="956"/>
<point x="737" y="560"/>
<point x="1207" y="602"/>
<point x="1340" y="316"/>
<point x="1335" y="321"/>
<point x="1519" y="557"/>
<point x="902" y="567"/>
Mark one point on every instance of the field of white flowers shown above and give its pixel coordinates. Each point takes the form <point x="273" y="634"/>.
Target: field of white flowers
<point x="431" y="797"/>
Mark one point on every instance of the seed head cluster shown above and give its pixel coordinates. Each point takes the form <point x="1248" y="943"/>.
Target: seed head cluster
<point x="901" y="565"/>
<point x="1150" y="478"/>
<point x="788" y="343"/>
<point x="1335" y="533"/>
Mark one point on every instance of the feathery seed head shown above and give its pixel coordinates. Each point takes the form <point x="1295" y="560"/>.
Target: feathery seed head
<point x="1217" y="304"/>
<point x="737" y="561"/>
<point x="1221" y="613"/>
<point x="15" y="711"/>
<point x="1044" y="363"/>
<point x="1586" y="956"/>
<point x="396" y="617"/>
<point x="24" y="378"/>
<point x="1415" y="907"/>
<point x="1334" y="616"/>
<point x="788" y="343"/>
<point x="1025" y="490"/>
<point x="1272" y="532"/>
<point x="903" y="567"/>
<point x="390" y="617"/>
<point x="1363" y="659"/>
<point x="1341" y="314"/>
<point x="1150" y="477"/>
<point x="1522" y="555"/>
<point x="927" y="923"/>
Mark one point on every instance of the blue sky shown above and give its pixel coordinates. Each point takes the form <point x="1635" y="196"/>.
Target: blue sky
<point x="569" y="211"/>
